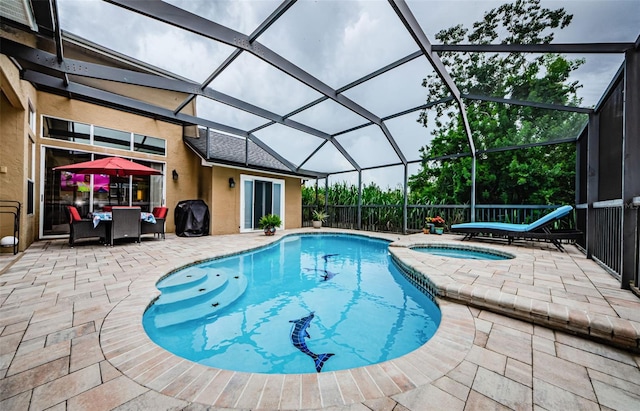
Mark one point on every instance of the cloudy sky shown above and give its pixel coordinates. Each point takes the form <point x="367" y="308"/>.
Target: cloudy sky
<point x="337" y="42"/>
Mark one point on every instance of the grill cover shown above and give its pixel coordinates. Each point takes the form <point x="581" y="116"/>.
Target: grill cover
<point x="192" y="218"/>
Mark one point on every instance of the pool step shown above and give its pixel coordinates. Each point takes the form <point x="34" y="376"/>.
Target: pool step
<point x="192" y="309"/>
<point x="196" y="291"/>
<point x="183" y="279"/>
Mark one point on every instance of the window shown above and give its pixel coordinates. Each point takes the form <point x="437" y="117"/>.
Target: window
<point x="66" y="130"/>
<point x="31" y="171"/>
<point x="106" y="137"/>
<point x="32" y="117"/>
<point x="101" y="136"/>
<point x="151" y="145"/>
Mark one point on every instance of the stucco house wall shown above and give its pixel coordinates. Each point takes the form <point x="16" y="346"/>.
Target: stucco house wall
<point x="15" y="151"/>
<point x="21" y="152"/>
<point x="225" y="201"/>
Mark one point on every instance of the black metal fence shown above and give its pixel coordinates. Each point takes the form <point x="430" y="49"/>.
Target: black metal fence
<point x="607" y="244"/>
<point x="389" y="218"/>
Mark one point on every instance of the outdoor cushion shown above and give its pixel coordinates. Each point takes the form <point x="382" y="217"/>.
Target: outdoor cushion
<point x="159" y="212"/>
<point x="539" y="229"/>
<point x="517" y="228"/>
<point x="75" y="216"/>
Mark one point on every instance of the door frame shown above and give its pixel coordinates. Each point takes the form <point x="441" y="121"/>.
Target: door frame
<point x="249" y="177"/>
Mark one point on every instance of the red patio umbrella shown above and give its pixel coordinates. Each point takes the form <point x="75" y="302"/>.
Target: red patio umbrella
<point x="113" y="166"/>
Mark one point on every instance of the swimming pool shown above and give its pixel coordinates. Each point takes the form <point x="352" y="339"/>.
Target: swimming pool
<point x="305" y="304"/>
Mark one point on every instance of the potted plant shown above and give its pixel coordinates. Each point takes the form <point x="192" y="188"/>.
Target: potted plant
<point x="435" y="224"/>
<point x="269" y="223"/>
<point x="319" y="217"/>
<point x="438" y="222"/>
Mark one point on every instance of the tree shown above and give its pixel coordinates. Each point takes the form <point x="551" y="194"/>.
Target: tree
<point x="535" y="174"/>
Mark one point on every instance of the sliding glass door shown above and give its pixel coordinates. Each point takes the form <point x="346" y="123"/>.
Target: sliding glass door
<point x="89" y="192"/>
<point x="260" y="196"/>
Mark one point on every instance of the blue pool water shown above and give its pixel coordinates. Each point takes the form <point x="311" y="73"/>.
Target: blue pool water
<point x="455" y="252"/>
<point x="280" y="308"/>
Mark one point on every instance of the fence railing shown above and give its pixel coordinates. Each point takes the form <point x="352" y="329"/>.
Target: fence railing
<point x="388" y="218"/>
<point x="607" y="246"/>
<point x="608" y="216"/>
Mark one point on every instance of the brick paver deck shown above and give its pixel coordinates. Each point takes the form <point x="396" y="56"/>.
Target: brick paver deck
<point x="544" y="330"/>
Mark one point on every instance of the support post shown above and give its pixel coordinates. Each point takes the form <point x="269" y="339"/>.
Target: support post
<point x="359" y="199"/>
<point x="593" y="170"/>
<point x="630" y="168"/>
<point x="404" y="204"/>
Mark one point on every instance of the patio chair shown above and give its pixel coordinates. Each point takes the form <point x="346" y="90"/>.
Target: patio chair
<point x="125" y="223"/>
<point x="81" y="228"/>
<point x="157" y="229"/>
<point x="538" y="230"/>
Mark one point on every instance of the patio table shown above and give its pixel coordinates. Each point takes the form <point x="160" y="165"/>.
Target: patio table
<point x="98" y="216"/>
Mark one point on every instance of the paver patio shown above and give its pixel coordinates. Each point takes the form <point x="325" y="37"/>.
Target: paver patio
<point x="545" y="330"/>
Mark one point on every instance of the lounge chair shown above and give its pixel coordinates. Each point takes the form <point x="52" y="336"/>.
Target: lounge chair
<point x="125" y="223"/>
<point x="539" y="229"/>
<point x="160" y="214"/>
<point x="80" y="228"/>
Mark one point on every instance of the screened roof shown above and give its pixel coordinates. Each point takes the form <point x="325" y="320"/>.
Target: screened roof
<point x="325" y="86"/>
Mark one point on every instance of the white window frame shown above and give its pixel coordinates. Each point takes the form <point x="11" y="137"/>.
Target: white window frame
<point x="32" y="117"/>
<point x="253" y="178"/>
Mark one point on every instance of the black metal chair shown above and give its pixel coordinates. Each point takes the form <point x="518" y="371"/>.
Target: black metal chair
<point x="125" y="223"/>
<point x="81" y="228"/>
<point x="157" y="229"/>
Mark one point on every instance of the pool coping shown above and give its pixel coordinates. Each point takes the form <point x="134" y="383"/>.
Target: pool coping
<point x="127" y="347"/>
<point x="615" y="331"/>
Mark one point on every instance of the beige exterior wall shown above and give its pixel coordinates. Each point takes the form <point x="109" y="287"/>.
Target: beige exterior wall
<point x="224" y="203"/>
<point x="15" y="150"/>
<point x="178" y="157"/>
<point x="194" y="181"/>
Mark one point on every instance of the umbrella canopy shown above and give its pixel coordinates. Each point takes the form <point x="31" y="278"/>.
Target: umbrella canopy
<point x="113" y="166"/>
